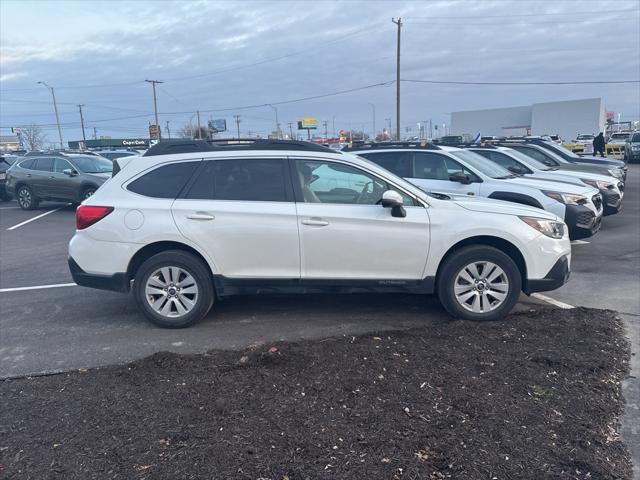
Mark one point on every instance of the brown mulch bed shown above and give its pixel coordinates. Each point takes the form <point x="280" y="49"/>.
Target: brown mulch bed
<point x="534" y="397"/>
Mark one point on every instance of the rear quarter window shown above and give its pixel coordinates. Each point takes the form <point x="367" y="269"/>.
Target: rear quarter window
<point x="165" y="181"/>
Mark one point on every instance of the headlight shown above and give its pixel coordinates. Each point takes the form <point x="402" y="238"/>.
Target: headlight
<point x="550" y="228"/>
<point x="635" y="146"/>
<point x="599" y="184"/>
<point x="566" y="198"/>
<point x="616" y="172"/>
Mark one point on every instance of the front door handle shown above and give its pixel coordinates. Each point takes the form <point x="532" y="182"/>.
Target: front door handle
<point x="201" y="216"/>
<point x="28" y="175"/>
<point x="315" y="222"/>
<point x="51" y="177"/>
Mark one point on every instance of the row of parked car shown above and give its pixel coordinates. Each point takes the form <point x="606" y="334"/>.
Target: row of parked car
<point x="67" y="176"/>
<point x="192" y="221"/>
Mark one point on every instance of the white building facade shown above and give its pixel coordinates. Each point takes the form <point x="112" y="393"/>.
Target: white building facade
<point x="567" y="119"/>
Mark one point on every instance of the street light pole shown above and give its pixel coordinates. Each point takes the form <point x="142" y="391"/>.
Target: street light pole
<point x="373" y="107"/>
<point x="84" y="139"/>
<point x="290" y="130"/>
<point x="237" y="117"/>
<point x="399" y="24"/>
<point x="155" y="105"/>
<point x="55" y="108"/>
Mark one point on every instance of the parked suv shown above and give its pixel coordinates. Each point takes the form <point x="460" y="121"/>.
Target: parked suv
<point x="64" y="177"/>
<point x="454" y="171"/>
<point x="193" y="221"/>
<point x="632" y="148"/>
<point x="522" y="164"/>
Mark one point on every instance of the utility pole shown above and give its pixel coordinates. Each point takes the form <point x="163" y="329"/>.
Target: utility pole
<point x="326" y="133"/>
<point x="275" y="110"/>
<point x="168" y="131"/>
<point x="95" y="133"/>
<point x="84" y="139"/>
<point x="291" y="130"/>
<point x="388" y="120"/>
<point x="333" y="126"/>
<point x="155" y="105"/>
<point x="373" y="107"/>
<point x="55" y="108"/>
<point x="199" y="127"/>
<point x="237" y="117"/>
<point x="399" y="24"/>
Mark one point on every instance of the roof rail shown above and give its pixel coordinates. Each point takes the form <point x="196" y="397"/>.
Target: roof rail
<point x="371" y="146"/>
<point x="168" y="147"/>
<point x="486" y="144"/>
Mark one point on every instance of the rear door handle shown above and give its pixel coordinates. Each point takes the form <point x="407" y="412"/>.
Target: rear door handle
<point x="28" y="175"/>
<point x="316" y="222"/>
<point x="201" y="216"/>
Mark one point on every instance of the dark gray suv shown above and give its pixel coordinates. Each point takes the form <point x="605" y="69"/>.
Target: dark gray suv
<point x="632" y="148"/>
<point x="58" y="176"/>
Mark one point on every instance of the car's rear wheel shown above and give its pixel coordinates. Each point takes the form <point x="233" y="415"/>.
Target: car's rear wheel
<point x="86" y="193"/>
<point x="479" y="283"/>
<point x="173" y="289"/>
<point x="26" y="199"/>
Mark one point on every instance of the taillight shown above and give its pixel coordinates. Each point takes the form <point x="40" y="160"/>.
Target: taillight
<point x="87" y="215"/>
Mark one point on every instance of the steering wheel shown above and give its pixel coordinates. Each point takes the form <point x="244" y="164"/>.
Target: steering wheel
<point x="364" y="193"/>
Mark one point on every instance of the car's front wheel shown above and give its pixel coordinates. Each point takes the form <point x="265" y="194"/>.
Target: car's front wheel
<point x="173" y="289"/>
<point x="26" y="199"/>
<point x="479" y="283"/>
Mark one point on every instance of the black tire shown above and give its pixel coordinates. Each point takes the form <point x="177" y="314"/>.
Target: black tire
<point x="26" y="199"/>
<point x="190" y="264"/>
<point x="86" y="193"/>
<point x="465" y="256"/>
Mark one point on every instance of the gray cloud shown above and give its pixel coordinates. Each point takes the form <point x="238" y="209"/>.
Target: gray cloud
<point x="343" y="45"/>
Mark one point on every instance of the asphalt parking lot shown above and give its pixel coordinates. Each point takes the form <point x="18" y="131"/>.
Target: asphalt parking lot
<point x="62" y="326"/>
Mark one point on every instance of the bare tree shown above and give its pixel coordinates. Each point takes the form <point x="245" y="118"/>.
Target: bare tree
<point x="191" y="131"/>
<point x="33" y="137"/>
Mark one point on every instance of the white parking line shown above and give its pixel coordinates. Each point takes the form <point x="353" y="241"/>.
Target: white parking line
<point x="8" y="208"/>
<point x="36" y="218"/>
<point x="552" y="301"/>
<point x="37" y="287"/>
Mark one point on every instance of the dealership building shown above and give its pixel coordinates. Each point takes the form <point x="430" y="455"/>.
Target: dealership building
<point x="567" y="119"/>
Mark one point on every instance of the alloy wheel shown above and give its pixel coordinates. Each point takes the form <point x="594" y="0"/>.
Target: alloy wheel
<point x="25" y="198"/>
<point x="171" y="291"/>
<point x="481" y="287"/>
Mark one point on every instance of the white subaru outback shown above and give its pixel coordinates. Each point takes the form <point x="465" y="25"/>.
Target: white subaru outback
<point x="191" y="222"/>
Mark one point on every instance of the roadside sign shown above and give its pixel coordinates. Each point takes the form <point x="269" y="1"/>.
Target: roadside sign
<point x="219" y="125"/>
<point x="308" y="124"/>
<point x="154" y="132"/>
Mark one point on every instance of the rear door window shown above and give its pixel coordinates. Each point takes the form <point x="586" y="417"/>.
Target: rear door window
<point x="43" y="164"/>
<point x="396" y="162"/>
<point x="251" y="180"/>
<point x="165" y="181"/>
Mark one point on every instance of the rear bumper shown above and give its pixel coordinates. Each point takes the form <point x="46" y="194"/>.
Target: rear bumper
<point x="582" y="221"/>
<point x="118" y="282"/>
<point x="557" y="276"/>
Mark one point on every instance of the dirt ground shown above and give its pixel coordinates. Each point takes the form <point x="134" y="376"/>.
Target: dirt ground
<point x="534" y="397"/>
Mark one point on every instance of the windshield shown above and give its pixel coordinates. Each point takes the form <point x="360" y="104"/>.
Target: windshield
<point x="528" y="161"/>
<point x="619" y="136"/>
<point x="635" y="138"/>
<point x="479" y="163"/>
<point x="585" y="137"/>
<point x="561" y="150"/>
<point x="88" y="164"/>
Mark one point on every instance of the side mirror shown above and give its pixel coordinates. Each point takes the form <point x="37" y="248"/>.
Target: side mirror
<point x="460" y="177"/>
<point x="393" y="200"/>
<point x="69" y="172"/>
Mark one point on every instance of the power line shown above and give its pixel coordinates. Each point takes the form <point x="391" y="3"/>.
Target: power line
<point x="577" y="82"/>
<point x="479" y="16"/>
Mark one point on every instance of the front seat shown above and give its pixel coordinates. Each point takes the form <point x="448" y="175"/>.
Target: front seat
<point x="304" y="174"/>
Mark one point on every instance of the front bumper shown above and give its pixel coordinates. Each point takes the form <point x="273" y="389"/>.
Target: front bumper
<point x="3" y="189"/>
<point x="557" y="276"/>
<point x="118" y="282"/>
<point x="612" y="200"/>
<point x="581" y="221"/>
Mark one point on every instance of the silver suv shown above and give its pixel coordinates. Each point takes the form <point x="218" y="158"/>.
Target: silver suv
<point x="57" y="176"/>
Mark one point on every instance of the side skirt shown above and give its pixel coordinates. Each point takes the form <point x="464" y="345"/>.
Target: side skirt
<point x="233" y="286"/>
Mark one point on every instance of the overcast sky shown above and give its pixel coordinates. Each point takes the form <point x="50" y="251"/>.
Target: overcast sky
<point x="227" y="55"/>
